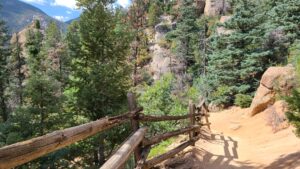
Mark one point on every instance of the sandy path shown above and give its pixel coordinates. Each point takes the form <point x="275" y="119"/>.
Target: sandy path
<point x="240" y="142"/>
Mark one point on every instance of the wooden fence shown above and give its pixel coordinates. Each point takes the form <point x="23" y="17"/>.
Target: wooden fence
<point x="137" y="144"/>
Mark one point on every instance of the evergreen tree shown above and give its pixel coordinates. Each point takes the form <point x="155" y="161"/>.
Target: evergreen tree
<point x="100" y="73"/>
<point x="154" y="13"/>
<point x="42" y="96"/>
<point x="186" y="35"/>
<point x="56" y="54"/>
<point x="282" y="26"/>
<point x="137" y="20"/>
<point x="238" y="60"/>
<point x="16" y="68"/>
<point x="4" y="53"/>
<point x="33" y="45"/>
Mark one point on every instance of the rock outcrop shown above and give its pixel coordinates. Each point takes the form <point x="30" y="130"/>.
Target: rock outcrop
<point x="200" y="5"/>
<point x="221" y="30"/>
<point x="275" y="116"/>
<point x="276" y="80"/>
<point x="163" y="60"/>
<point x="216" y="7"/>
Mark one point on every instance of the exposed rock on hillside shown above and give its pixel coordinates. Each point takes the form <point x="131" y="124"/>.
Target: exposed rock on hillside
<point x="221" y="30"/>
<point x="216" y="7"/>
<point x="276" y="80"/>
<point x="163" y="61"/>
<point x="276" y="115"/>
<point x="200" y="4"/>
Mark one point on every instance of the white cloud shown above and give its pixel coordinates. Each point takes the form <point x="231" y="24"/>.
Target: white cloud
<point x="124" y="3"/>
<point x="61" y="18"/>
<point x="65" y="3"/>
<point x="69" y="12"/>
<point x="41" y="2"/>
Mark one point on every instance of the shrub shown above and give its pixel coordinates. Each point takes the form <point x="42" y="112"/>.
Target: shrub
<point x="243" y="100"/>
<point x="294" y="110"/>
<point x="164" y="44"/>
<point x="223" y="95"/>
<point x="159" y="100"/>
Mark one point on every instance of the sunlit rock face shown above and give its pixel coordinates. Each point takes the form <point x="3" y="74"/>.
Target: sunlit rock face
<point x="216" y="7"/>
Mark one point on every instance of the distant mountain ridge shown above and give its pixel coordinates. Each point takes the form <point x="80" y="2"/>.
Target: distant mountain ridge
<point x="70" y="21"/>
<point x="18" y="15"/>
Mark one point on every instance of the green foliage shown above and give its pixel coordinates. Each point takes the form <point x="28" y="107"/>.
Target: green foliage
<point x="223" y="95"/>
<point x="239" y="59"/>
<point x="185" y="35"/>
<point x="4" y="52"/>
<point x="164" y="44"/>
<point x="159" y="100"/>
<point x="154" y="14"/>
<point x="100" y="75"/>
<point x="16" y="63"/>
<point x="160" y="148"/>
<point x="53" y="35"/>
<point x="243" y="100"/>
<point x="101" y="62"/>
<point x="33" y="46"/>
<point x="294" y="110"/>
<point x="146" y="77"/>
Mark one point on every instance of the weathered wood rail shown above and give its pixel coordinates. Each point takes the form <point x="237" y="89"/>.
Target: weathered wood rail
<point x="20" y="153"/>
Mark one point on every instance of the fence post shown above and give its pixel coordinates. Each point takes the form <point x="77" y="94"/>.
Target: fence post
<point x="192" y="119"/>
<point x="206" y="111"/>
<point x="132" y="104"/>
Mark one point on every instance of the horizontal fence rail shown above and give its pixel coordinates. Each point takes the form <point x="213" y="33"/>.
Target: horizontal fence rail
<point x="156" y="160"/>
<point x="148" y="118"/>
<point x="137" y="144"/>
<point x="165" y="136"/>
<point x="20" y="153"/>
<point x="117" y="160"/>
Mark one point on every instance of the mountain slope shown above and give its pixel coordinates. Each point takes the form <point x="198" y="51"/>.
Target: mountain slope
<point x="70" y="21"/>
<point x="18" y="15"/>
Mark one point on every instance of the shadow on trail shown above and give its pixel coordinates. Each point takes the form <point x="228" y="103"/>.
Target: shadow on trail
<point x="197" y="158"/>
<point x="290" y="161"/>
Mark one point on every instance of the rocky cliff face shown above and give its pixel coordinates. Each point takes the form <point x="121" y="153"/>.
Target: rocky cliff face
<point x="163" y="61"/>
<point x="216" y="7"/>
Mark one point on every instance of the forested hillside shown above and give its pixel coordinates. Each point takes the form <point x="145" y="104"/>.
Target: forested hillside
<point x="18" y="14"/>
<point x="165" y="51"/>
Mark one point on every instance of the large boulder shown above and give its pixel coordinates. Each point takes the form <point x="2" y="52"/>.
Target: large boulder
<point x="275" y="116"/>
<point x="276" y="80"/>
<point x="216" y="7"/>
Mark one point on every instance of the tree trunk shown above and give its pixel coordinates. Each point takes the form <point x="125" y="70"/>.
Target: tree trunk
<point x="134" y="56"/>
<point x="42" y="120"/>
<point x="3" y="104"/>
<point x="101" y="149"/>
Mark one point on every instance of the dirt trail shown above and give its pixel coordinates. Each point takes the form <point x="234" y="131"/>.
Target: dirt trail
<point x="239" y="142"/>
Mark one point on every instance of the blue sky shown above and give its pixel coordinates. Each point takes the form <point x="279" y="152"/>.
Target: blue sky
<point x="63" y="10"/>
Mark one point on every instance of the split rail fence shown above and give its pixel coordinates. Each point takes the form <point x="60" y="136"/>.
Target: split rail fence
<point x="20" y="153"/>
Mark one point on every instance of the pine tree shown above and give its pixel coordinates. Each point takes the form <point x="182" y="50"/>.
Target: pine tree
<point x="186" y="34"/>
<point x="282" y="26"/>
<point x="137" y="20"/>
<point x="154" y="13"/>
<point x="42" y="96"/>
<point x="56" y="54"/>
<point x="4" y="53"/>
<point x="16" y="68"/>
<point x="33" y="45"/>
<point x="238" y="60"/>
<point x="100" y="72"/>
